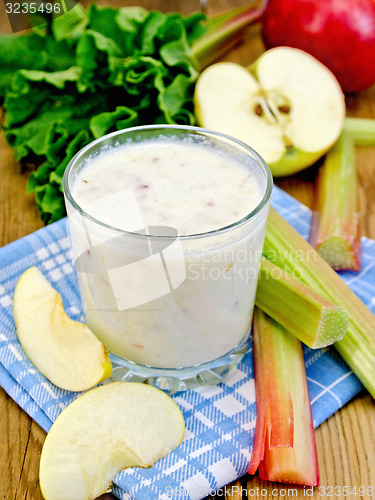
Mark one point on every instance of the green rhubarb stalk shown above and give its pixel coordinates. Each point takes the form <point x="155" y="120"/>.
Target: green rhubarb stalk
<point x="335" y="229"/>
<point x="286" y="248"/>
<point x="224" y="31"/>
<point x="284" y="443"/>
<point x="362" y="130"/>
<point x="312" y="318"/>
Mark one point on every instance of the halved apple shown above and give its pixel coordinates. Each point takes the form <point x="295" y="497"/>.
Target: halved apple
<point x="104" y="431"/>
<point x="63" y="350"/>
<point x="288" y="106"/>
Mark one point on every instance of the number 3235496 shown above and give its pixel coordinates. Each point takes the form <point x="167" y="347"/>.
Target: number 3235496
<point x="32" y="8"/>
<point x="345" y="491"/>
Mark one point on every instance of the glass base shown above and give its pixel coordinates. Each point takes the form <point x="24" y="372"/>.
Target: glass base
<point x="172" y="380"/>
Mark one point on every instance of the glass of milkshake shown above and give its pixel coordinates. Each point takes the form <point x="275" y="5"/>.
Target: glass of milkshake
<point x="167" y="226"/>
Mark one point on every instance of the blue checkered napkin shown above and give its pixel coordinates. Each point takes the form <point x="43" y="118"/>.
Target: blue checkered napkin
<point x="219" y="420"/>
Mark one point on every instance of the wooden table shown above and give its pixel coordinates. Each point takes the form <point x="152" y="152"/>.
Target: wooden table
<point x="345" y="442"/>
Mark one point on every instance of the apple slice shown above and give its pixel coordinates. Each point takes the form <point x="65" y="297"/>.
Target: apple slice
<point x="104" y="431"/>
<point x="288" y="107"/>
<point x="64" y="351"/>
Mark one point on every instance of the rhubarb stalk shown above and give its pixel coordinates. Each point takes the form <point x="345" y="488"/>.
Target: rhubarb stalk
<point x="335" y="224"/>
<point x="362" y="130"/>
<point x="286" y="248"/>
<point x="312" y="318"/>
<point x="225" y="30"/>
<point x="284" y="442"/>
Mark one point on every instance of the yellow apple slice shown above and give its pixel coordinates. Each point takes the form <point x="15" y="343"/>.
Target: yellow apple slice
<point x="104" y="431"/>
<point x="65" y="351"/>
<point x="288" y="106"/>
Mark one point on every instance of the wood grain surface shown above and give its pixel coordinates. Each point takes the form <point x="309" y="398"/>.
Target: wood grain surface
<point x="345" y="442"/>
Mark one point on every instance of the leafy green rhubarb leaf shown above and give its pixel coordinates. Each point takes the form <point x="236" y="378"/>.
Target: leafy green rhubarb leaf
<point x="19" y="52"/>
<point x="93" y="72"/>
<point x="108" y="121"/>
<point x="287" y="249"/>
<point x="122" y="26"/>
<point x="56" y="78"/>
<point x="284" y="443"/>
<point x="335" y="229"/>
<point x="71" y="25"/>
<point x="46" y="181"/>
<point x="309" y="316"/>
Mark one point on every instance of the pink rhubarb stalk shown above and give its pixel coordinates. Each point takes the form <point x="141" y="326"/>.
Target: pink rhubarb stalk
<point x="335" y="225"/>
<point x="284" y="443"/>
<point x="225" y="30"/>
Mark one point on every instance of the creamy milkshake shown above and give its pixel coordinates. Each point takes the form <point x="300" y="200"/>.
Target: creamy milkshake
<point x="167" y="226"/>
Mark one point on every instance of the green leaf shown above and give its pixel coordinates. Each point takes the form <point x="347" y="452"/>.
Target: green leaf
<point x="51" y="201"/>
<point x="195" y="26"/>
<point x="71" y="25"/>
<point x="39" y="178"/>
<point x="93" y="53"/>
<point x="177" y="53"/>
<point x="151" y="27"/>
<point x="22" y="103"/>
<point x="46" y="181"/>
<point x="35" y="135"/>
<point x="130" y="21"/>
<point x="56" y="78"/>
<point x="122" y="117"/>
<point x="78" y="142"/>
<point x="18" y="52"/>
<point x="173" y="99"/>
<point x="136" y="74"/>
<point x="122" y="26"/>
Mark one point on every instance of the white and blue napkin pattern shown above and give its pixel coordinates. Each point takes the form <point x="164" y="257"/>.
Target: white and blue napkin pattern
<point x="220" y="420"/>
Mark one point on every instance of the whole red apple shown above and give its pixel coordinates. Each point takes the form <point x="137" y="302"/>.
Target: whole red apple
<point x="340" y="33"/>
